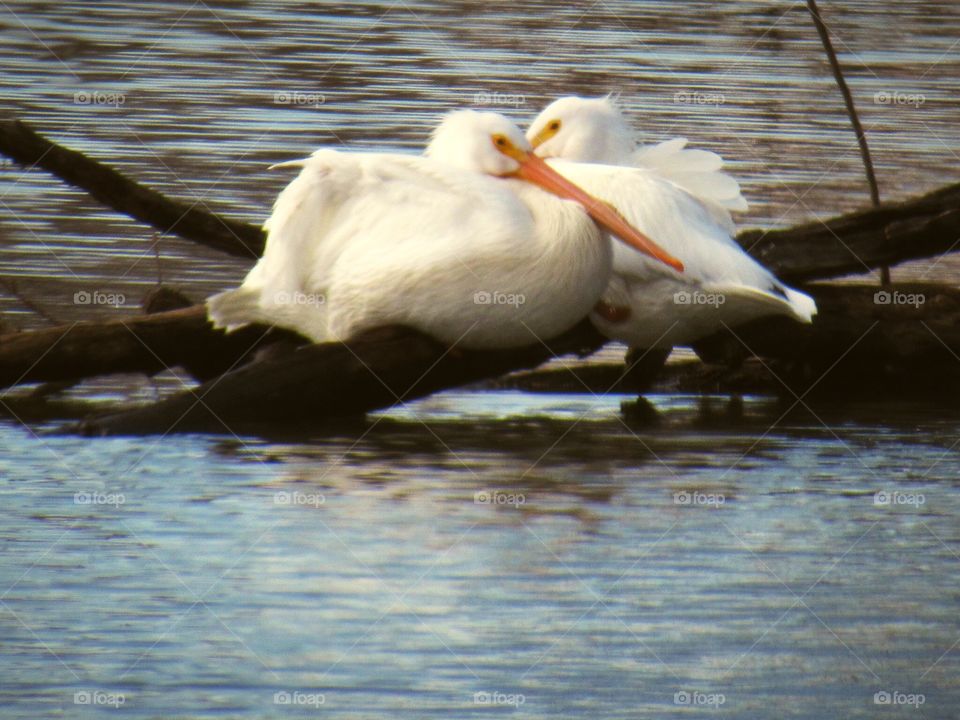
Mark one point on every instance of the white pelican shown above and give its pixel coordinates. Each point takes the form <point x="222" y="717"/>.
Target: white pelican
<point x="679" y="197"/>
<point x="460" y="244"/>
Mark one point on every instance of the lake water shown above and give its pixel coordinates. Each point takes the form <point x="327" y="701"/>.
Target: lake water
<point x="474" y="553"/>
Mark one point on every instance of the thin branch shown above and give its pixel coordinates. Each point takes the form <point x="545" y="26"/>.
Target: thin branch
<point x="191" y="222"/>
<point x="13" y="288"/>
<point x="824" y="34"/>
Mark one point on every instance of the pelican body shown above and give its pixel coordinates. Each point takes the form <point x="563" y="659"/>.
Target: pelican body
<point x="681" y="198"/>
<point x="462" y="244"/>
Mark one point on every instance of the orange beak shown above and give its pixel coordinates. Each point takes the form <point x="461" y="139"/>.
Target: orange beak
<point x="536" y="171"/>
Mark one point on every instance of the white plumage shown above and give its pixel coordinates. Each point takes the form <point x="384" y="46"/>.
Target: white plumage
<point x="682" y="199"/>
<point x="443" y="243"/>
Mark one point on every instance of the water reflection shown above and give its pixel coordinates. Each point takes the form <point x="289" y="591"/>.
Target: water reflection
<point x="485" y="542"/>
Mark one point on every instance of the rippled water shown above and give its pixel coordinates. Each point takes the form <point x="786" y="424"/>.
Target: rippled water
<point x="540" y="549"/>
<point x="535" y="547"/>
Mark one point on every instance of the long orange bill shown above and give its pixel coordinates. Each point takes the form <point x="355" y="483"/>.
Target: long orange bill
<point x="536" y="171"/>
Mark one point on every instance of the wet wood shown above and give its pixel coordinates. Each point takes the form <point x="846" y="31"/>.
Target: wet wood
<point x="143" y="344"/>
<point x="186" y="219"/>
<point x="861" y="344"/>
<point x="314" y="384"/>
<point x="901" y="340"/>
<point x="920" y="227"/>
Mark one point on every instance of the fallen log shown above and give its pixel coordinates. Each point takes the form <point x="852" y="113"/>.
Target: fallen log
<point x="904" y="335"/>
<point x="315" y="384"/>
<point x="20" y="143"/>
<point x="143" y="344"/>
<point x="898" y="341"/>
<point x="856" y="242"/>
<point x="861" y="241"/>
<point x="858" y="345"/>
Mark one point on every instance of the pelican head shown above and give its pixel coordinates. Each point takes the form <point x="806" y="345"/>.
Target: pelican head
<point x="491" y="144"/>
<point x="485" y="142"/>
<point x="583" y="130"/>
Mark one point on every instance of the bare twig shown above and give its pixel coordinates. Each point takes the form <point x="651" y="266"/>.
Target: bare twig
<point x="824" y="34"/>
<point x="155" y="244"/>
<point x="13" y="288"/>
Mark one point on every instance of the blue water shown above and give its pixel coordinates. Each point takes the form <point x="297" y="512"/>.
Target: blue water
<point x="524" y="547"/>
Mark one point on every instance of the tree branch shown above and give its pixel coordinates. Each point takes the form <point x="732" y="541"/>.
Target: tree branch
<point x="857" y="242"/>
<point x="191" y="222"/>
<point x="143" y="343"/>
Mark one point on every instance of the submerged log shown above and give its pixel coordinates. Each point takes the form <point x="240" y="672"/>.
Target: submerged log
<point x="318" y="383"/>
<point x="900" y="339"/>
<point x="859" y="344"/>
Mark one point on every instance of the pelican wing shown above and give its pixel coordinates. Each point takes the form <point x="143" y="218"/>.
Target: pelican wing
<point x="699" y="172"/>
<point x="686" y="227"/>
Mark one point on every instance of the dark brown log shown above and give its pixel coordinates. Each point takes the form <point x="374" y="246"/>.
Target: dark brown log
<point x="315" y="384"/>
<point x="858" y="345"/>
<point x="855" y="243"/>
<point x="143" y="343"/>
<point x="19" y="142"/>
<point x="901" y="339"/>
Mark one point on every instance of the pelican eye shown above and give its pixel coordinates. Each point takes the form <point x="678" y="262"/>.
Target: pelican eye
<point x="547" y="132"/>
<point x="501" y="141"/>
